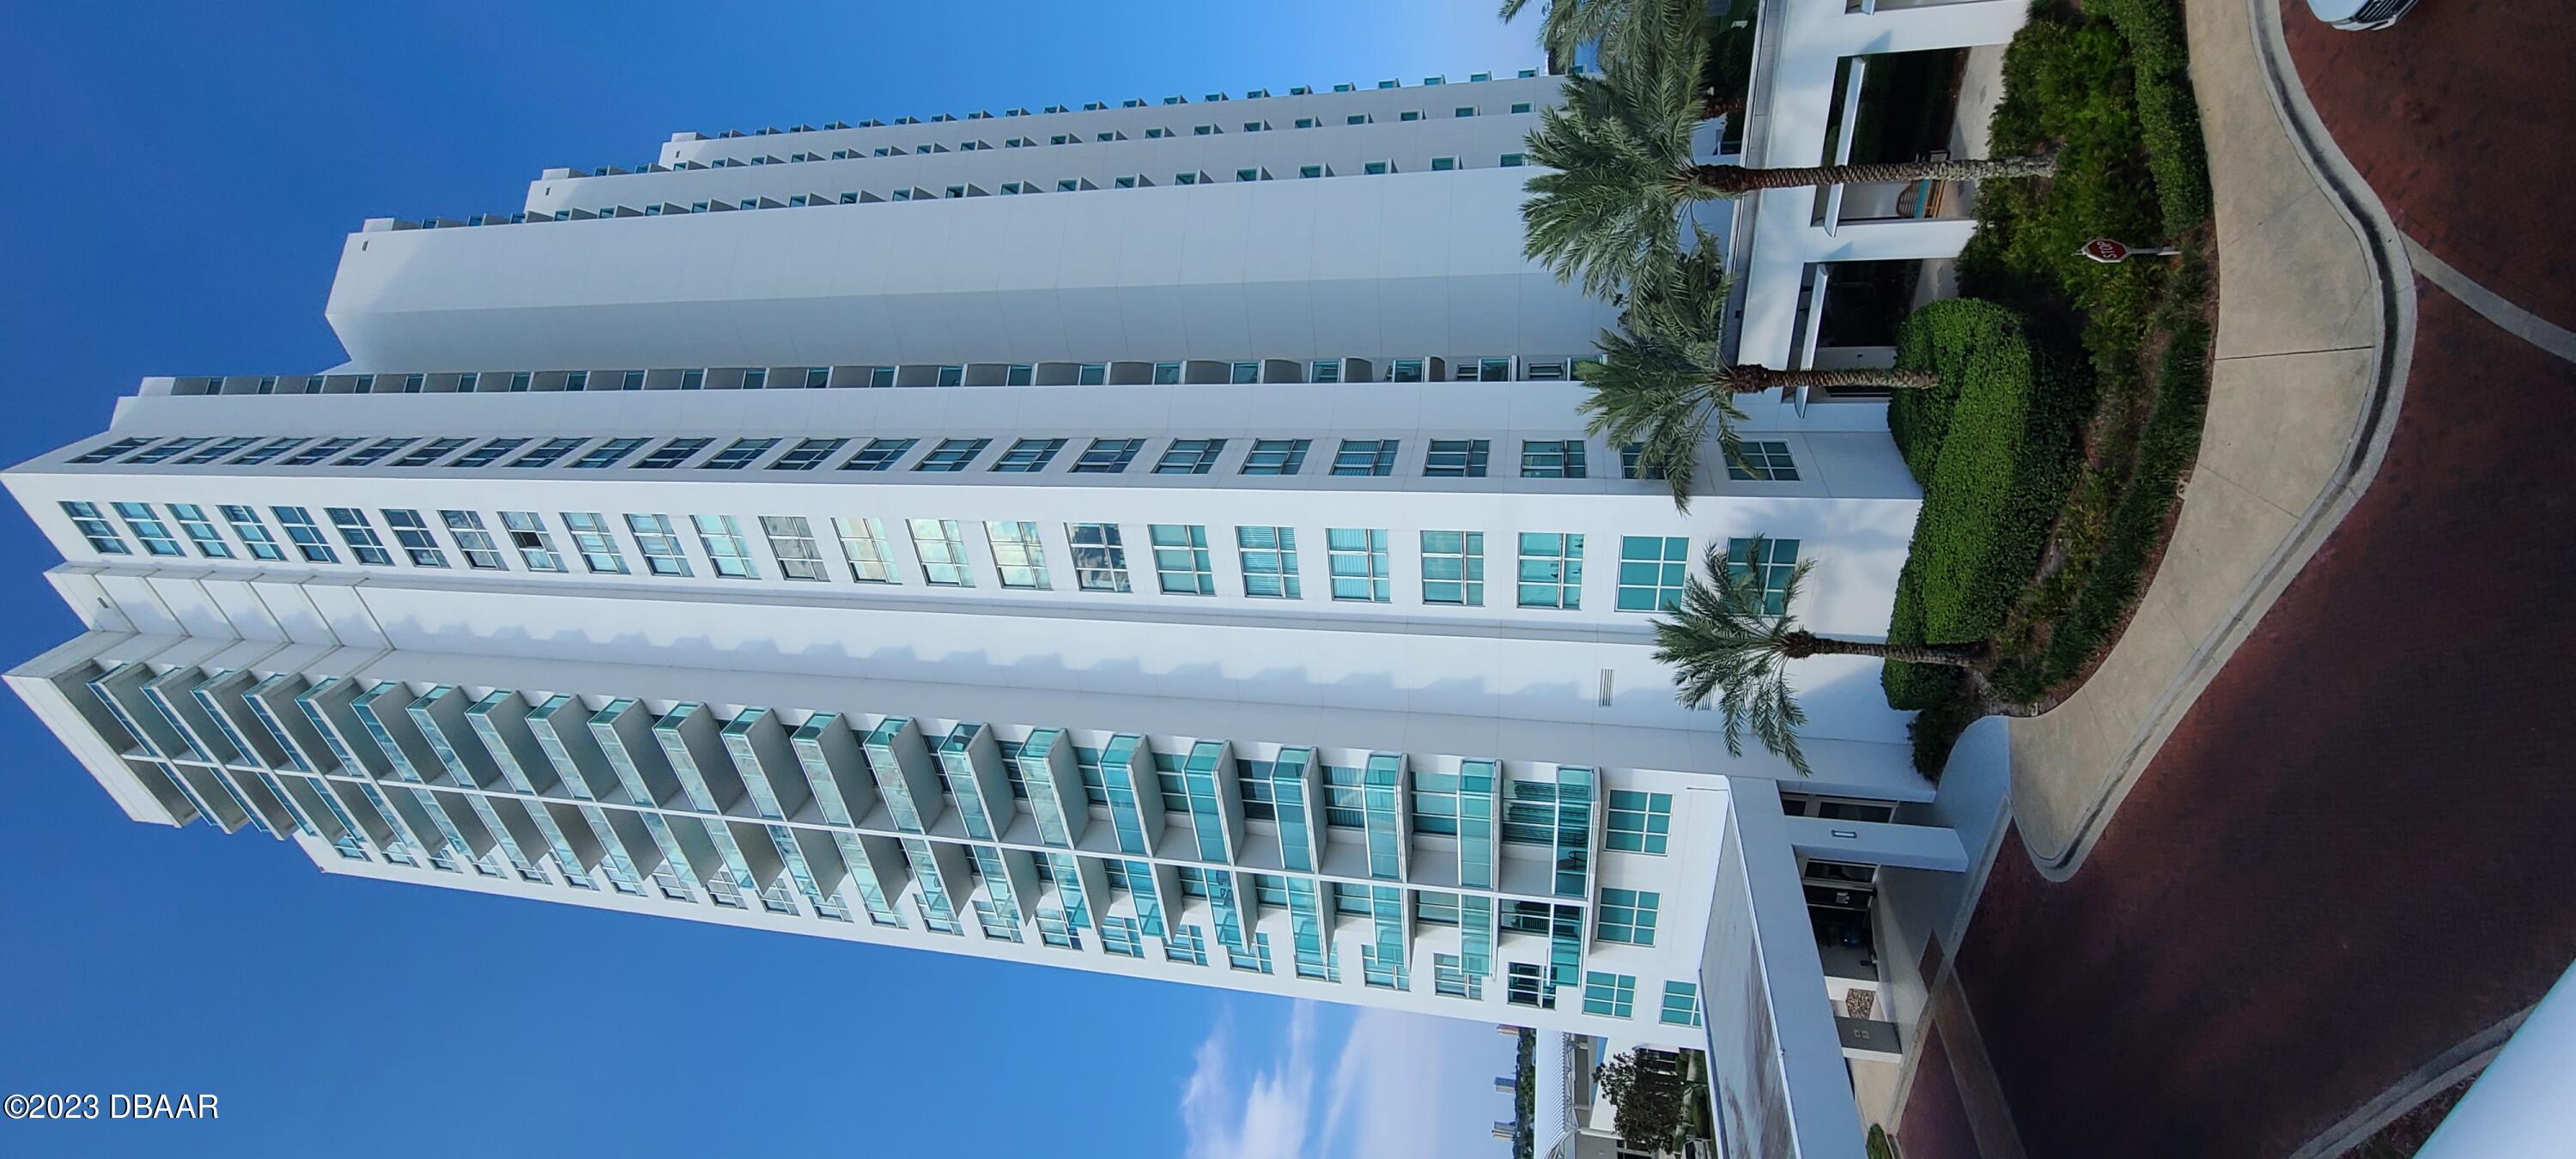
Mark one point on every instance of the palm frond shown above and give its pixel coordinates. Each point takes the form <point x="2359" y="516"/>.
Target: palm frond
<point x="1658" y="382"/>
<point x="1620" y="149"/>
<point x="1722" y="641"/>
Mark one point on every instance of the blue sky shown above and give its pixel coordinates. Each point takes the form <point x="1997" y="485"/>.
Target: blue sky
<point x="181" y="178"/>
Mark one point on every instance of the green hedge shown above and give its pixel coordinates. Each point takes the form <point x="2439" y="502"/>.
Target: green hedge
<point x="2007" y="457"/>
<point x="2167" y="447"/>
<point x="2168" y="118"/>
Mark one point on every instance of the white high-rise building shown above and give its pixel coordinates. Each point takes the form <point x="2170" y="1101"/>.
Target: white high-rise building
<point x="1154" y="538"/>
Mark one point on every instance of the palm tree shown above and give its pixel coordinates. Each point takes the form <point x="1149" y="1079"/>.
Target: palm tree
<point x="1662" y="383"/>
<point x="1619" y="30"/>
<point x="1623" y="171"/>
<point x="1725" y="640"/>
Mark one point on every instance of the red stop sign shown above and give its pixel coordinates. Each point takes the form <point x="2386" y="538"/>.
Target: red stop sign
<point x="2103" y="249"/>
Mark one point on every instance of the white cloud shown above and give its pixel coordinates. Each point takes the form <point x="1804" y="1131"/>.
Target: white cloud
<point x="1268" y="1118"/>
<point x="1412" y="1085"/>
<point x="1400" y="1085"/>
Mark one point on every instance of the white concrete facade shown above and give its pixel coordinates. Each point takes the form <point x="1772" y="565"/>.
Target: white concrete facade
<point x="1208" y="581"/>
<point x="1784" y="241"/>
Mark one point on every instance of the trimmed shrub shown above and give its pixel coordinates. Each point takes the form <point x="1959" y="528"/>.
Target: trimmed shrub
<point x="2007" y="458"/>
<point x="2167" y="447"/>
<point x="1919" y="419"/>
<point x="2168" y="118"/>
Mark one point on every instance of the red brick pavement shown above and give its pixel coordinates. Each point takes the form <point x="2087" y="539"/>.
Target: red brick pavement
<point x="2458" y="117"/>
<point x="1935" y="1124"/>
<point x="2353" y="852"/>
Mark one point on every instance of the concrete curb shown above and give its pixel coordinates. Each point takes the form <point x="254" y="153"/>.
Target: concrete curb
<point x="2394" y="287"/>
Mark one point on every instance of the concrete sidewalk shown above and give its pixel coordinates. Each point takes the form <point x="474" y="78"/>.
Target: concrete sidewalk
<point x="2314" y="322"/>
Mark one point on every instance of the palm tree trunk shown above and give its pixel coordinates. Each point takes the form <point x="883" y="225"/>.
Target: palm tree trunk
<point x="1974" y="657"/>
<point x="1736" y="180"/>
<point x="1749" y="378"/>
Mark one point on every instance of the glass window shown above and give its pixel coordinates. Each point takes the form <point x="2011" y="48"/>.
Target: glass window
<point x="360" y="535"/>
<point x="1406" y="370"/>
<point x="816" y="378"/>
<point x="1107" y="456"/>
<point x="1028" y="455"/>
<point x="148" y="529"/>
<point x="755" y="378"/>
<point x="1020" y="373"/>
<point x="791" y="542"/>
<point x="326" y="449"/>
<point x="672" y="453"/>
<point x="1276" y="456"/>
<point x="466" y="528"/>
<point x="1552" y="459"/>
<point x="879" y="455"/>
<point x="1324" y="370"/>
<point x="594" y="538"/>
<point x="227" y="446"/>
<point x="726" y="548"/>
<point x="631" y="380"/>
<point x="411" y="533"/>
<point x="536" y="545"/>
<point x="431" y="452"/>
<point x="1512" y="160"/>
<point x="577" y="381"/>
<point x="1639" y="822"/>
<point x="743" y="453"/>
<point x="1631" y="465"/>
<point x="1611" y="994"/>
<point x="364" y="457"/>
<point x="808" y="454"/>
<point x="1357" y="558"/>
<point x="660" y="543"/>
<point x="1779" y="564"/>
<point x="1018" y="556"/>
<point x="548" y="451"/>
<point x="247" y="528"/>
<point x="952" y="455"/>
<point x="1443" y="164"/>
<point x="1453" y="568"/>
<point x="1763" y="461"/>
<point x="1242" y="373"/>
<point x="943" y="552"/>
<point x="95" y="528"/>
<point x="125" y="446"/>
<point x="608" y="454"/>
<point x="864" y="548"/>
<point x="482" y="456"/>
<point x="266" y="451"/>
<point x="1651" y="571"/>
<point x="201" y="531"/>
<point x="881" y="376"/>
<point x="1181" y="561"/>
<point x="693" y="379"/>
<point x="1681" y="1004"/>
<point x="1190" y="457"/>
<point x="1551" y="570"/>
<point x="1269" y="562"/>
<point x="1456" y="458"/>
<point x="1099" y="557"/>
<point x="1627" y="915"/>
<point x="1365" y="457"/>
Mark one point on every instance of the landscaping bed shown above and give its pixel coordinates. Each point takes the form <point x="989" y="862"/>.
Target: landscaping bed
<point x="2052" y="456"/>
